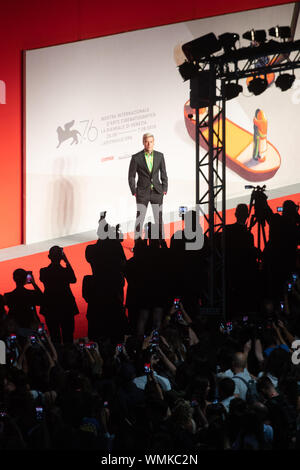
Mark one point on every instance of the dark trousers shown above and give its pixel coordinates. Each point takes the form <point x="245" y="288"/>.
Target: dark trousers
<point x="61" y="327"/>
<point x="156" y="201"/>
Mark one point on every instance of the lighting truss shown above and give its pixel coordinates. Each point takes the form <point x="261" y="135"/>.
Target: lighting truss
<point x="270" y="57"/>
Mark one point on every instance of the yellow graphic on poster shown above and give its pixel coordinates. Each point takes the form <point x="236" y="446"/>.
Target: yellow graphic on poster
<point x="249" y="155"/>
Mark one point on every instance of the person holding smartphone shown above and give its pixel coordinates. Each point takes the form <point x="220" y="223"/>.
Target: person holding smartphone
<point x="22" y="301"/>
<point x="149" y="365"/>
<point x="59" y="307"/>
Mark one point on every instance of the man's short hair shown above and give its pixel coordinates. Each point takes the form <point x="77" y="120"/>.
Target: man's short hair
<point x="242" y="211"/>
<point x="239" y="360"/>
<point x="145" y="136"/>
<point x="19" y="275"/>
<point x="264" y="383"/>
<point x="55" y="252"/>
<point x="226" y="387"/>
<point x="289" y="207"/>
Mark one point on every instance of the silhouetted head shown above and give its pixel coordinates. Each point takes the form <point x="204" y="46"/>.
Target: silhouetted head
<point x="265" y="387"/>
<point x="278" y="362"/>
<point x="270" y="338"/>
<point x="226" y="388"/>
<point x="289" y="208"/>
<point x="268" y="306"/>
<point x="55" y="253"/>
<point x="182" y="413"/>
<point x="237" y="407"/>
<point x="241" y="213"/>
<point x="127" y="372"/>
<point x="19" y="276"/>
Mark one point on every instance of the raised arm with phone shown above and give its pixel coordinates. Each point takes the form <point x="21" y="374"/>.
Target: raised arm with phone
<point x="59" y="306"/>
<point x="22" y="301"/>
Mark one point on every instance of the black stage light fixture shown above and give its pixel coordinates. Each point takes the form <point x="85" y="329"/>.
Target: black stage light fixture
<point x="202" y="90"/>
<point x="201" y="47"/>
<point x="282" y="32"/>
<point x="258" y="35"/>
<point x="232" y="90"/>
<point x="258" y="85"/>
<point x="228" y="40"/>
<point x="285" y="81"/>
<point x="187" y="70"/>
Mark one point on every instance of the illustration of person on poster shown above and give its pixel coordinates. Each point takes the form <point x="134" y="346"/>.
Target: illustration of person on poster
<point x="260" y="136"/>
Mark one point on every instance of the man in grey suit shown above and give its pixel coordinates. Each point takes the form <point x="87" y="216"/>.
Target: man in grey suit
<point x="148" y="165"/>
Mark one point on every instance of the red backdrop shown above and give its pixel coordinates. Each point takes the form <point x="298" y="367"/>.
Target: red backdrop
<point x="28" y="24"/>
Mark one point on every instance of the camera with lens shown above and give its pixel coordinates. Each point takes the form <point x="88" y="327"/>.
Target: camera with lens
<point x="258" y="199"/>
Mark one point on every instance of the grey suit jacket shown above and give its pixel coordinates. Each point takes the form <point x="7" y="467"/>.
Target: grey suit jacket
<point x="138" y="165"/>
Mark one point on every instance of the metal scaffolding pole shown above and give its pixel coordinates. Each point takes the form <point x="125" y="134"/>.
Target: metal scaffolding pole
<point x="211" y="135"/>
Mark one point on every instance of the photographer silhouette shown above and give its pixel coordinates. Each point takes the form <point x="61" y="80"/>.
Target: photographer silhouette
<point x="241" y="269"/>
<point x="59" y="305"/>
<point x="280" y="252"/>
<point x="22" y="301"/>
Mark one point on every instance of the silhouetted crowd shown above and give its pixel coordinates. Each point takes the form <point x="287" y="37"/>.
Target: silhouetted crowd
<point x="156" y="373"/>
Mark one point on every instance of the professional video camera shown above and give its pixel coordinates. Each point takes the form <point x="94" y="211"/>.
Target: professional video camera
<point x="261" y="214"/>
<point x="258" y="200"/>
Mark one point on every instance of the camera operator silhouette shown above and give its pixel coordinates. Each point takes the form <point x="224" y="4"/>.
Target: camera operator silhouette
<point x="240" y="262"/>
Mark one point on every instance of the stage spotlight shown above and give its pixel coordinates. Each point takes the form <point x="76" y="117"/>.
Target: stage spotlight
<point x="285" y="81"/>
<point x="228" y="40"/>
<point x="187" y="70"/>
<point x="258" y="35"/>
<point x="232" y="90"/>
<point x="202" y="90"/>
<point x="282" y="32"/>
<point x="201" y="47"/>
<point x="258" y="85"/>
